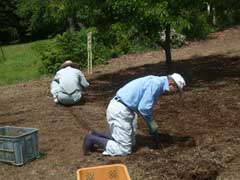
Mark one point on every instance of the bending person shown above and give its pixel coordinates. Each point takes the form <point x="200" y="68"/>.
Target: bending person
<point x="139" y="95"/>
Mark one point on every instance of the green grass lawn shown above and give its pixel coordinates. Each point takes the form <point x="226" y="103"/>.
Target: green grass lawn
<point x="21" y="63"/>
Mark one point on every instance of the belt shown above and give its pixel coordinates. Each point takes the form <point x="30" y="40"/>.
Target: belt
<point x="116" y="98"/>
<point x="69" y="94"/>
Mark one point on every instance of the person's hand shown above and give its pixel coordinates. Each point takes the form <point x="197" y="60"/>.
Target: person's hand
<point x="55" y="99"/>
<point x="153" y="131"/>
<point x="153" y="127"/>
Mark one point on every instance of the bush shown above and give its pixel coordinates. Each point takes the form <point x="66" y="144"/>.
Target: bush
<point x="124" y="38"/>
<point x="121" y="35"/>
<point x="228" y="18"/>
<point x="73" y="46"/>
<point x="48" y="52"/>
<point x="118" y="38"/>
<point x="200" y="28"/>
<point x="8" y="35"/>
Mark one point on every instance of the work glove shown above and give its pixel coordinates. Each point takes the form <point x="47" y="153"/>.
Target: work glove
<point x="153" y="127"/>
<point x="153" y="131"/>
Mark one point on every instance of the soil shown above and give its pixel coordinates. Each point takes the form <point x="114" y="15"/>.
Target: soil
<point x="200" y="135"/>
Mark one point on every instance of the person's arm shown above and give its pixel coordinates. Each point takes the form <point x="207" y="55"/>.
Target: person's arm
<point x="83" y="82"/>
<point x="146" y="111"/>
<point x="151" y="123"/>
<point x="151" y="94"/>
<point x="55" y="85"/>
<point x="145" y="108"/>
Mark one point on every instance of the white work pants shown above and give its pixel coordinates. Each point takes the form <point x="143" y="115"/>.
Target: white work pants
<point x="123" y="124"/>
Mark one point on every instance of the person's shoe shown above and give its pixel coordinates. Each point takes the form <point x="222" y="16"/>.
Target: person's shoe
<point x="86" y="151"/>
<point x="93" y="132"/>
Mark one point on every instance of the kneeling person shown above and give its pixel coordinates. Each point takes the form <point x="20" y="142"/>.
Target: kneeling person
<point x="138" y="96"/>
<point x="68" y="84"/>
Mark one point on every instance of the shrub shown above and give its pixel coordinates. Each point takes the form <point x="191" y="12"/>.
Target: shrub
<point x="200" y="28"/>
<point x="118" y="38"/>
<point x="72" y="45"/>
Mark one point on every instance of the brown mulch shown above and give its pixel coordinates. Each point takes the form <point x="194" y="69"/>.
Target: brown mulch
<point x="200" y="136"/>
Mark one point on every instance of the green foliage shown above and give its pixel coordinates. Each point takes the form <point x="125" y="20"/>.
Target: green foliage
<point x="120" y="37"/>
<point x="73" y="46"/>
<point x="226" y="12"/>
<point x="41" y="17"/>
<point x="120" y="26"/>
<point x="38" y="19"/>
<point x="9" y="21"/>
<point x="48" y="53"/>
<point x="199" y="28"/>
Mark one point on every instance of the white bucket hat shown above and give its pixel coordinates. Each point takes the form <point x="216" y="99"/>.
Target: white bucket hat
<point x="179" y="80"/>
<point x="69" y="63"/>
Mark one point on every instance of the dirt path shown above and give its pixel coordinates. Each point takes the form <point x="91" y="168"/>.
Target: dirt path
<point x="200" y="138"/>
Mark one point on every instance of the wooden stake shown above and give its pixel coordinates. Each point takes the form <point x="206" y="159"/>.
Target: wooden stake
<point x="89" y="49"/>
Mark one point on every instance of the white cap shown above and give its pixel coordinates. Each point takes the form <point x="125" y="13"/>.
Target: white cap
<point x="178" y="79"/>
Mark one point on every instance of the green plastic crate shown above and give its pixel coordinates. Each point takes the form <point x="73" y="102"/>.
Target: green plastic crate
<point x="18" y="144"/>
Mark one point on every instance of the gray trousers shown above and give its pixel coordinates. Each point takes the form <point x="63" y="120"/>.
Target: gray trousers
<point x="63" y="97"/>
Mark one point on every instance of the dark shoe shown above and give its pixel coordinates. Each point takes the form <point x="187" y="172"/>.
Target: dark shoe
<point x="93" y="132"/>
<point x="86" y="151"/>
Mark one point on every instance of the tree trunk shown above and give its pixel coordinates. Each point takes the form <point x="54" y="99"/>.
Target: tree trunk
<point x="71" y="25"/>
<point x="167" y="48"/>
<point x="3" y="56"/>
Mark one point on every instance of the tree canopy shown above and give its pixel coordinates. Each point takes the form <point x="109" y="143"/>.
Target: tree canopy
<point x="120" y="24"/>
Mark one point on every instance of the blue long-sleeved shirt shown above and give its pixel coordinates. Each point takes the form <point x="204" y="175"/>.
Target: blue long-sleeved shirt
<point x="141" y="94"/>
